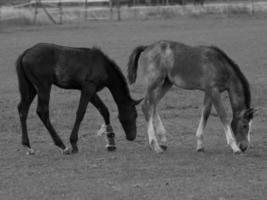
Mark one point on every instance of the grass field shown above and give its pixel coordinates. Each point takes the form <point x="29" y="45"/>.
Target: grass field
<point x="134" y="171"/>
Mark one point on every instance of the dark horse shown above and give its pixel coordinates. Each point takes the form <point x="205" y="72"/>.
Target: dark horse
<point x="84" y="69"/>
<point x="206" y="68"/>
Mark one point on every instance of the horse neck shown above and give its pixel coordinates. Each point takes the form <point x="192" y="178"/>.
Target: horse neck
<point x="239" y="97"/>
<point x="119" y="89"/>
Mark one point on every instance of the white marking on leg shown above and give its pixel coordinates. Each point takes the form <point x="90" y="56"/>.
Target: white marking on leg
<point x="228" y="137"/>
<point x="102" y="130"/>
<point x="249" y="130"/>
<point x="199" y="134"/>
<point x="161" y="131"/>
<point x="231" y="140"/>
<point x="66" y="151"/>
<point x="30" y="151"/>
<point x="150" y="130"/>
<point x="152" y="137"/>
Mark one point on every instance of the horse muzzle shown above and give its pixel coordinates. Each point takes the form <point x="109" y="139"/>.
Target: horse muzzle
<point x="243" y="146"/>
<point x="130" y="134"/>
<point x="131" y="137"/>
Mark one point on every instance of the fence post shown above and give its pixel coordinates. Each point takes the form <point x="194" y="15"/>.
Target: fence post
<point x="60" y="12"/>
<point x="46" y="12"/>
<point x="85" y="10"/>
<point x="111" y="9"/>
<point x="118" y="9"/>
<point x="227" y="8"/>
<point x="167" y="2"/>
<point x="134" y="8"/>
<point x="252" y="7"/>
<point x="35" y="12"/>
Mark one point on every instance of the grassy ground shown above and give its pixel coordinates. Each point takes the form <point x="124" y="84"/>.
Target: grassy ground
<point x="133" y="171"/>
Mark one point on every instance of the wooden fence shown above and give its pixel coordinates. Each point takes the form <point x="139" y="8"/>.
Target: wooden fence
<point x="56" y="10"/>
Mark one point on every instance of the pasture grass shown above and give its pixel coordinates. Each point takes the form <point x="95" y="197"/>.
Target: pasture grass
<point x="134" y="171"/>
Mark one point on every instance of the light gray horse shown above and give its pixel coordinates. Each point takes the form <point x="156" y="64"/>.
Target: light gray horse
<point x="205" y="68"/>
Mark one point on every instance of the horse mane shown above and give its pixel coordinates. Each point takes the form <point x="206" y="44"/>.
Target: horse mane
<point x="236" y="68"/>
<point x="118" y="72"/>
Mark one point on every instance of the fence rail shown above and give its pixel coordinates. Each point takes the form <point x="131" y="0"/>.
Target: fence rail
<point x="57" y="12"/>
<point x="69" y="1"/>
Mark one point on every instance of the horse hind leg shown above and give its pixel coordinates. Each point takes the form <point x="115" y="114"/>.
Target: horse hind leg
<point x="149" y="107"/>
<point x="153" y="141"/>
<point x="203" y="121"/>
<point x="43" y="113"/>
<point x="160" y="130"/>
<point x="27" y="95"/>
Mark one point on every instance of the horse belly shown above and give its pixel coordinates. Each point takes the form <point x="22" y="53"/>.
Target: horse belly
<point x="65" y="79"/>
<point x="187" y="71"/>
<point x="67" y="84"/>
<point x="185" y="84"/>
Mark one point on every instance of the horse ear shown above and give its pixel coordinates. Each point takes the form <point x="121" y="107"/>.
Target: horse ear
<point x="136" y="102"/>
<point x="250" y="113"/>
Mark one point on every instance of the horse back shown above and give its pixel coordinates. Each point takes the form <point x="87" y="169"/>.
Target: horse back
<point x="185" y="66"/>
<point x="66" y="67"/>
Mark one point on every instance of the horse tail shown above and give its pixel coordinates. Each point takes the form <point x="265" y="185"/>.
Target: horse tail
<point x="133" y="63"/>
<point x="23" y="81"/>
<point x="25" y="86"/>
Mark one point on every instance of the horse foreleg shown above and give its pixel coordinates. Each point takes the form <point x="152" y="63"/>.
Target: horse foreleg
<point x="160" y="130"/>
<point x="203" y="121"/>
<point x="107" y="128"/>
<point x="217" y="102"/>
<point x="86" y="94"/>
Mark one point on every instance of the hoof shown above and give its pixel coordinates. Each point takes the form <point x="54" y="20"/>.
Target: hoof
<point x="200" y="150"/>
<point x="75" y="150"/>
<point x="237" y="152"/>
<point x="164" y="147"/>
<point x="236" y="149"/>
<point x="159" y="150"/>
<point x="30" y="152"/>
<point x="67" y="151"/>
<point x="111" y="147"/>
<point x="154" y="146"/>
